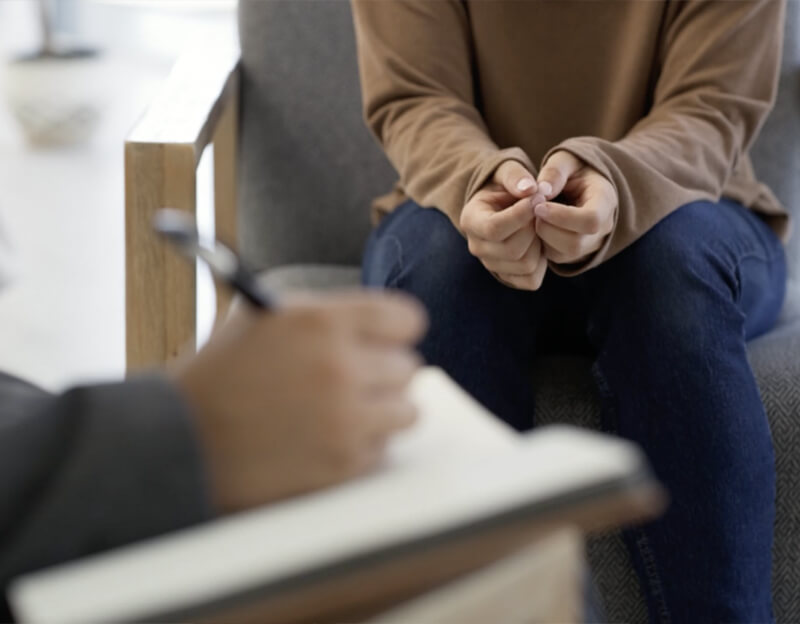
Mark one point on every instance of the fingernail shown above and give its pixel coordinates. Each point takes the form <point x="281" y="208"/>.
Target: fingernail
<point x="541" y="211"/>
<point x="525" y="184"/>
<point x="546" y="188"/>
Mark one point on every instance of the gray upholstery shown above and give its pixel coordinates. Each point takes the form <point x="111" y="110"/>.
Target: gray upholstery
<point x="311" y="277"/>
<point x="309" y="170"/>
<point x="309" y="167"/>
<point x="776" y="153"/>
<point x="566" y="394"/>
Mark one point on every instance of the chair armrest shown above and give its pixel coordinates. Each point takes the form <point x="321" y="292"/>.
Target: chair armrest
<point x="197" y="106"/>
<point x="192" y="100"/>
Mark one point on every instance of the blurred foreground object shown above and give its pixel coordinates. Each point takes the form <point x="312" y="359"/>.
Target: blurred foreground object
<point x="441" y="507"/>
<point x="54" y="92"/>
<point x="541" y="583"/>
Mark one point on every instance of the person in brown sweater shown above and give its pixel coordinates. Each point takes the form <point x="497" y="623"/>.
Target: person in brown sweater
<point x="575" y="175"/>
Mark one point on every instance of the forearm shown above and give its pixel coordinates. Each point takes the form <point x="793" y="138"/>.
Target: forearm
<point x="709" y="104"/>
<point x="418" y="93"/>
<point x="443" y="155"/>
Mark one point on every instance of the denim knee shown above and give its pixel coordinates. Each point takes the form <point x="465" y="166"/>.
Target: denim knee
<point x="420" y="251"/>
<point x="677" y="284"/>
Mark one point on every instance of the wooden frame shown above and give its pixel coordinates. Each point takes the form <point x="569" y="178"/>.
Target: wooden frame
<point x="198" y="106"/>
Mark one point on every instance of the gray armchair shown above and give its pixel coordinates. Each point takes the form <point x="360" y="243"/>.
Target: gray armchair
<point x="308" y="170"/>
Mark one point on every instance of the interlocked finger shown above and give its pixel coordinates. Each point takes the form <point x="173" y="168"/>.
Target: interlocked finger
<point x="525" y="265"/>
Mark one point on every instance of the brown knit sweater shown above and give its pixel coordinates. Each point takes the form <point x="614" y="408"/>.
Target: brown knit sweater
<point x="664" y="98"/>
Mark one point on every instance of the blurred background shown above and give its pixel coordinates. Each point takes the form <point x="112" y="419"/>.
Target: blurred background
<point x="74" y="77"/>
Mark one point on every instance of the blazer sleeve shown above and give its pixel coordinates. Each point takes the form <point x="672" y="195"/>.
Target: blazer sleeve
<point x="94" y="468"/>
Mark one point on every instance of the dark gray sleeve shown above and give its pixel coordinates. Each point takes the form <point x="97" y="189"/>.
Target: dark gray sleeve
<point x="94" y="468"/>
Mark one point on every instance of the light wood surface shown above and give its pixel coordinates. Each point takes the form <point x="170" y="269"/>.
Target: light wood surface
<point x="362" y="592"/>
<point x="187" y="109"/>
<point x="543" y="582"/>
<point x="159" y="285"/>
<point x="197" y="105"/>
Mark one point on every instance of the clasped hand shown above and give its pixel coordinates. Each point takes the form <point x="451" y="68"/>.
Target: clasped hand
<point x="514" y="226"/>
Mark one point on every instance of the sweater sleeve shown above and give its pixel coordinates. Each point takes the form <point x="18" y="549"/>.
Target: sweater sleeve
<point x="715" y="82"/>
<point x="419" y="100"/>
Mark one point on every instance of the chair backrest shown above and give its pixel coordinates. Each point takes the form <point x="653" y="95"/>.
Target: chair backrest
<point x="776" y="153"/>
<point x="309" y="167"/>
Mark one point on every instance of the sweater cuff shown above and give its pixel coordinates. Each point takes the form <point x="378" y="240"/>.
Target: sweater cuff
<point x="489" y="165"/>
<point x="645" y="195"/>
<point x="588" y="154"/>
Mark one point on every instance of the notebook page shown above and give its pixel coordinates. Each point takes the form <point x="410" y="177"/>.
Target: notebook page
<point x="451" y="425"/>
<point x="414" y="497"/>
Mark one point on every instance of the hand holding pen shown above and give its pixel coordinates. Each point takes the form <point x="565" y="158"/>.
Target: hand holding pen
<point x="297" y="396"/>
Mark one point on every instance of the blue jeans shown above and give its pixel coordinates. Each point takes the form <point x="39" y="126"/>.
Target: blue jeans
<point x="666" y="321"/>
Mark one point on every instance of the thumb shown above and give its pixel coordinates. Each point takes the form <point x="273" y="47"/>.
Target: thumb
<point x="556" y="171"/>
<point x="515" y="179"/>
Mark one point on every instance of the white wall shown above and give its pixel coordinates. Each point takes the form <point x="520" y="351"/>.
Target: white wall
<point x="62" y="319"/>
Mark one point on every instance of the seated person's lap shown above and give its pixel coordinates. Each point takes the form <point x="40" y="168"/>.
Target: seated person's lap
<point x="487" y="334"/>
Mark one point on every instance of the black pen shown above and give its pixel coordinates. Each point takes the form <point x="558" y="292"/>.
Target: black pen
<point x="181" y="230"/>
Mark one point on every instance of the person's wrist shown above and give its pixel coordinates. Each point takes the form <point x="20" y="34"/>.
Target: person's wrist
<point x="193" y="391"/>
<point x="485" y="175"/>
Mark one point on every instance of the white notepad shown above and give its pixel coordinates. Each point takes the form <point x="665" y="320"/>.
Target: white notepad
<point x="458" y="467"/>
